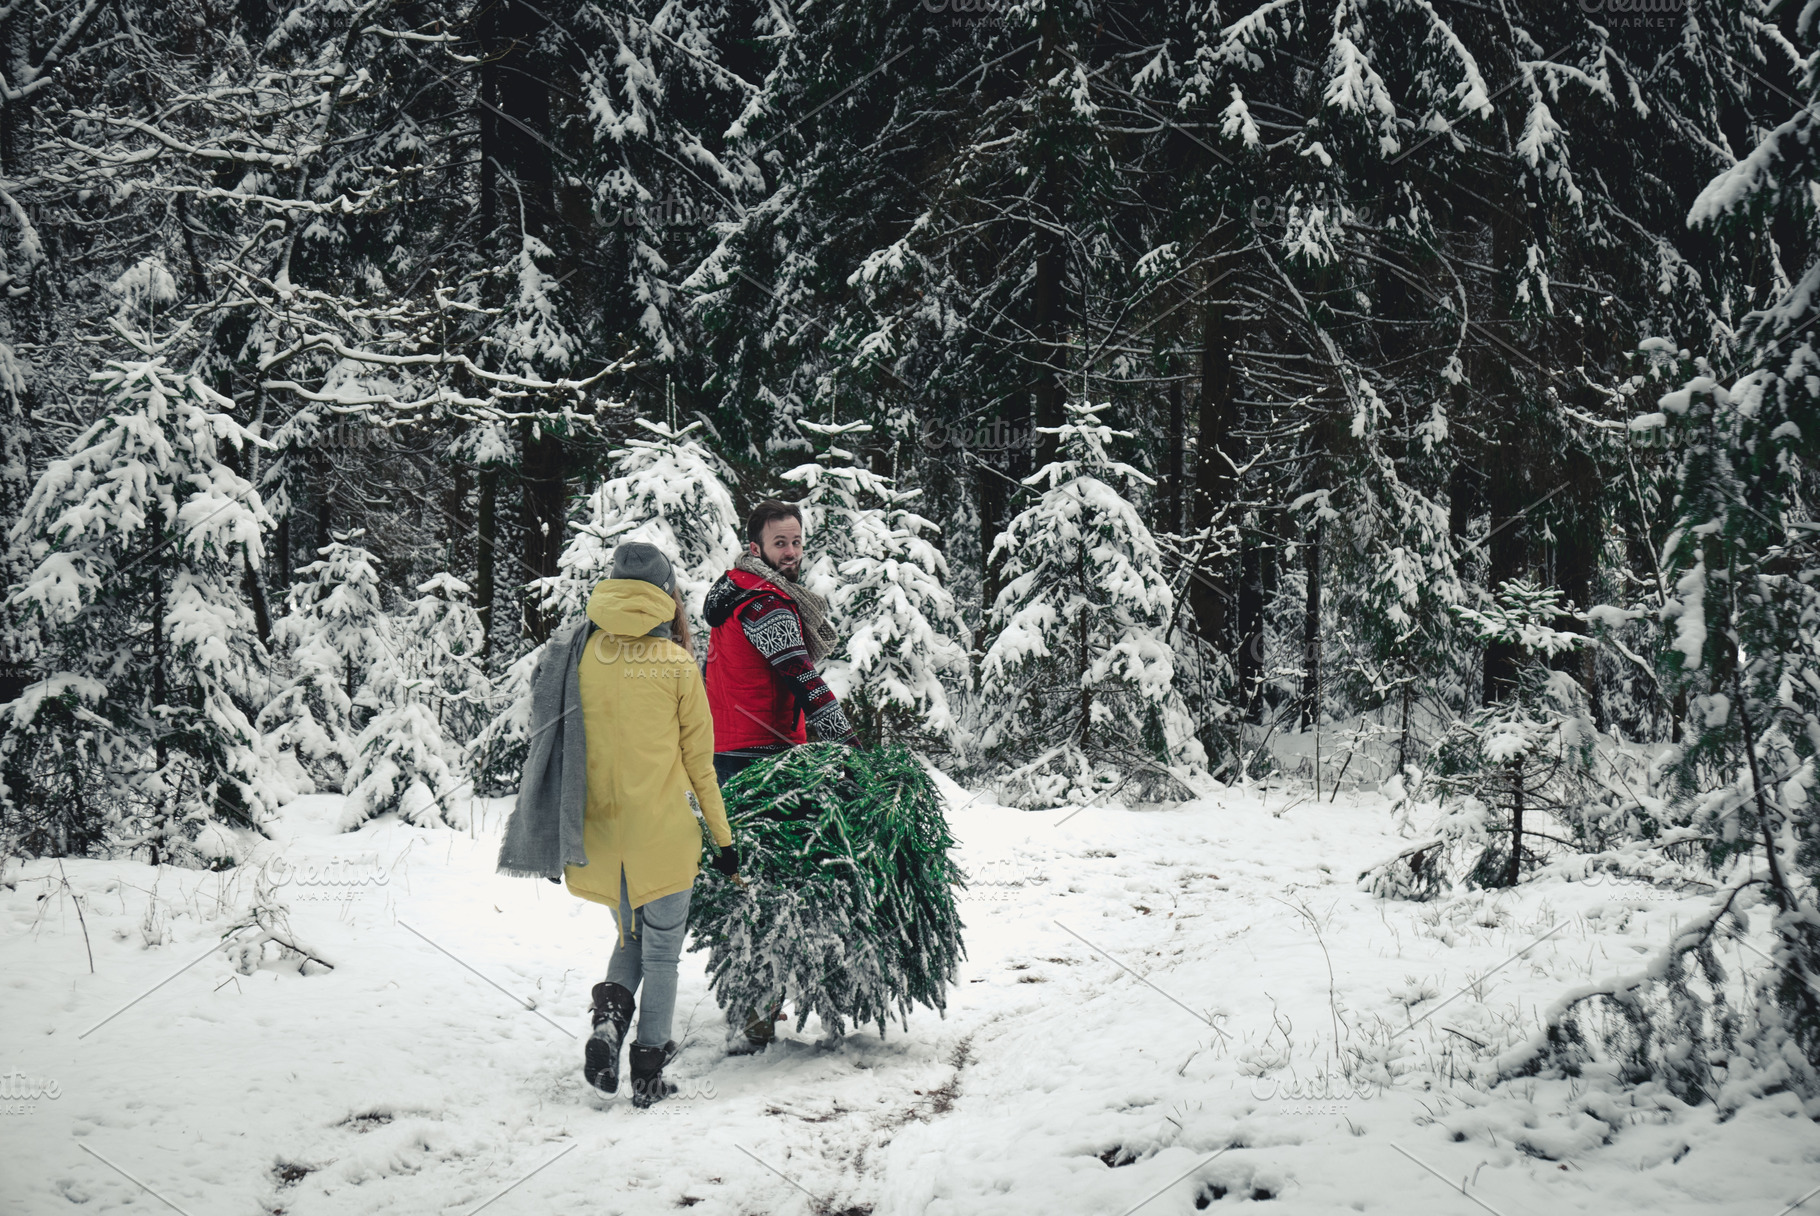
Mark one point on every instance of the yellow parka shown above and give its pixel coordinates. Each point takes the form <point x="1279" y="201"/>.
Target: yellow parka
<point x="650" y="741"/>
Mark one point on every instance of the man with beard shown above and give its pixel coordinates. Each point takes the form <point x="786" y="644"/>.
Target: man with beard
<point x="768" y="632"/>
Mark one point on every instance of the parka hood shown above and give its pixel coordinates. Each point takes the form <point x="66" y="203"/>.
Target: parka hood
<point x="629" y="606"/>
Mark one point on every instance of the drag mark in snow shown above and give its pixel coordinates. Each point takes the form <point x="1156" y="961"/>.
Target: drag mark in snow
<point x="527" y="1004"/>
<point x="546" y="1165"/>
<point x="793" y="1182"/>
<point x="1071" y="933"/>
<point x="1438" y="1174"/>
<point x="148" y="1190"/>
<point x="1191" y="1169"/>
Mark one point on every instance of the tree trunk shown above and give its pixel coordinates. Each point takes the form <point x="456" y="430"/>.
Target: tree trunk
<point x="457" y="524"/>
<point x="1175" y="439"/>
<point x="515" y="172"/>
<point x="1048" y="394"/>
<point x="1047" y="295"/>
<point x="1403" y="735"/>
<point x="1082" y="660"/>
<point x="323" y="473"/>
<point x="1515" y="868"/>
<point x="1507" y="458"/>
<point x="1577" y="528"/>
<point x="545" y="513"/>
<point x="160" y="698"/>
<point x="518" y="200"/>
<point x="254" y="587"/>
<point x="15" y="52"/>
<point x="1311" y="625"/>
<point x="1250" y="665"/>
<point x="1213" y="476"/>
<point x="486" y="530"/>
<point x="1463" y="500"/>
<point x="1001" y="467"/>
<point x="990" y="489"/>
<point x="281" y="542"/>
<point x="1509" y="559"/>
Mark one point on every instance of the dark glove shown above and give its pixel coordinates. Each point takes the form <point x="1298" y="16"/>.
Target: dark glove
<point x="727" y="861"/>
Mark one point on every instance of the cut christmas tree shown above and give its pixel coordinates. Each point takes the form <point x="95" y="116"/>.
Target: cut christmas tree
<point x="847" y="905"/>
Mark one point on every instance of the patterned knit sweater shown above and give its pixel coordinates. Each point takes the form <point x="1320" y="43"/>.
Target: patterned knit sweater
<point x="772" y="626"/>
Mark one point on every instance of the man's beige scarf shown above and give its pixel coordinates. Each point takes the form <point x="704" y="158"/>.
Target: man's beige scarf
<point x="818" y="634"/>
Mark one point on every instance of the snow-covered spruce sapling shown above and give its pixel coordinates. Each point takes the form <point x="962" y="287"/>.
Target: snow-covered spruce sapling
<point x="139" y="539"/>
<point x="1510" y="767"/>
<point x="334" y="631"/>
<point x="883" y="578"/>
<point x="442" y="650"/>
<point x="668" y="490"/>
<point x="408" y="758"/>
<point x="1077" y="691"/>
<point x="495" y="757"/>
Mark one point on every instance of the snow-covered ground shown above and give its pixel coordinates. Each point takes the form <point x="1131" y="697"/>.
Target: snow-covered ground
<point x="1147" y="1022"/>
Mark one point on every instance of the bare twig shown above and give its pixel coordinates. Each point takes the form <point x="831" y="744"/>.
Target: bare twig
<point x="80" y="919"/>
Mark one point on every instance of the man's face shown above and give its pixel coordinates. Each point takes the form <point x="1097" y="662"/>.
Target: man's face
<point x="781" y="544"/>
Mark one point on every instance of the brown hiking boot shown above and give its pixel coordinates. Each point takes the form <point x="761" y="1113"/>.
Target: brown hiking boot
<point x="760" y="1031"/>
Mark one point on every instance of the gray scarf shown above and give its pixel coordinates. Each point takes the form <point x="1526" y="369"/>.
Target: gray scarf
<point x="818" y="634"/>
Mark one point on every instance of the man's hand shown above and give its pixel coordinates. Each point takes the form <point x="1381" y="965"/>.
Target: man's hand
<point x="726" y="862"/>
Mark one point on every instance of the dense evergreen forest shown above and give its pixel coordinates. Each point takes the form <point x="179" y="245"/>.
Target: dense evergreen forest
<point x="1160" y="380"/>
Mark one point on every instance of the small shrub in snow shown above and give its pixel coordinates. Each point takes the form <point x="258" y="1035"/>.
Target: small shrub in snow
<point x="406" y="760"/>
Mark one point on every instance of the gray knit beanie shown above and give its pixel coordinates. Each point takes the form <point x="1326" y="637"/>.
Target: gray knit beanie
<point x="647" y="563"/>
<point x="636" y="559"/>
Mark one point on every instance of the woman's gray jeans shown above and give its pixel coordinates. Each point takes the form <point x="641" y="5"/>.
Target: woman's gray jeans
<point x="648" y="950"/>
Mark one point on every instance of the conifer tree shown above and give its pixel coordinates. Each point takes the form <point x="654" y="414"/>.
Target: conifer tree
<point x="1738" y="644"/>
<point x="334" y="632"/>
<point x="884" y="583"/>
<point x="430" y="698"/>
<point x="136" y="734"/>
<point x="668" y="490"/>
<point x="1076" y="690"/>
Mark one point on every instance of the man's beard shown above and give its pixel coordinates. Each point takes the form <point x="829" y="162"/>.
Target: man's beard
<point x="789" y="572"/>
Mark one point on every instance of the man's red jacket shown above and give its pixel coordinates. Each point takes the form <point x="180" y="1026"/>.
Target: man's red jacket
<point x="763" y="689"/>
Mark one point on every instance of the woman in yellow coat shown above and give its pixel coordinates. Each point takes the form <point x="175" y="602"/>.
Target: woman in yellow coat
<point x="650" y="746"/>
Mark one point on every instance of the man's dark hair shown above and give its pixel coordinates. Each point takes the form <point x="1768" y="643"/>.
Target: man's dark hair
<point x="769" y="511"/>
